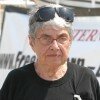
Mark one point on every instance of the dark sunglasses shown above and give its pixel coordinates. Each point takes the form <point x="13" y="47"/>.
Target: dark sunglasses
<point x="47" y="13"/>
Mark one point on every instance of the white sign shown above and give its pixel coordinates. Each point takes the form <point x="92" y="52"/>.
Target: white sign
<point x="86" y="44"/>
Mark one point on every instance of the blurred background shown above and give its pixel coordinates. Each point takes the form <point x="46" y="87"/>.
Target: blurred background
<point x="86" y="5"/>
<point x="82" y="7"/>
<point x="15" y="50"/>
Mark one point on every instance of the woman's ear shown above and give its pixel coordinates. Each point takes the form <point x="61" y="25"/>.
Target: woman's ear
<point x="31" y="42"/>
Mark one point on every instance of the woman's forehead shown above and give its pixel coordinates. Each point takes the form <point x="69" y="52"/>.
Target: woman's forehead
<point x="53" y="27"/>
<point x="52" y="30"/>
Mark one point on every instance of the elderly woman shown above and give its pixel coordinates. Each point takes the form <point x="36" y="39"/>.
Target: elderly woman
<point x="51" y="77"/>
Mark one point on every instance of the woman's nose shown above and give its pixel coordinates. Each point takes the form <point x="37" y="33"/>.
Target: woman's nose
<point x="54" y="45"/>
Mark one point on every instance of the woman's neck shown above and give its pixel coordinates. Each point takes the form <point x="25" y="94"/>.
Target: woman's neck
<point x="51" y="73"/>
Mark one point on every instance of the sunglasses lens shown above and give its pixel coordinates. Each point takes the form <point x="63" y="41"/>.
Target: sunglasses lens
<point x="66" y="13"/>
<point x="46" y="14"/>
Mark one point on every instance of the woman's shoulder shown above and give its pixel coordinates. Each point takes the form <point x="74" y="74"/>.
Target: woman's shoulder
<point x="81" y="70"/>
<point x="20" y="72"/>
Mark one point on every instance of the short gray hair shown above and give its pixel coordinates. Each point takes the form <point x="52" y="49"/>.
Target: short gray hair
<point x="55" y="22"/>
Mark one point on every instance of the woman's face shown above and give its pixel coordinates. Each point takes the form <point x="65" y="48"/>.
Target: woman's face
<point x="51" y="45"/>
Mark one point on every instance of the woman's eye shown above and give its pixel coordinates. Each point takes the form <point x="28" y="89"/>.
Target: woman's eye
<point x="63" y="38"/>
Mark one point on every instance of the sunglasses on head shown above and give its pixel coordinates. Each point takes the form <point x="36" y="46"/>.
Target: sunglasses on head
<point x="48" y="13"/>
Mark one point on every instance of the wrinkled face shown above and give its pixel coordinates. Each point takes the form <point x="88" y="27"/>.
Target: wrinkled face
<point x="51" y="45"/>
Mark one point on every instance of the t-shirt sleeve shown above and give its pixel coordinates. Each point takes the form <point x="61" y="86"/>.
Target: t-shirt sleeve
<point x="8" y="87"/>
<point x="98" y="91"/>
<point x="88" y="86"/>
<point x="95" y="85"/>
